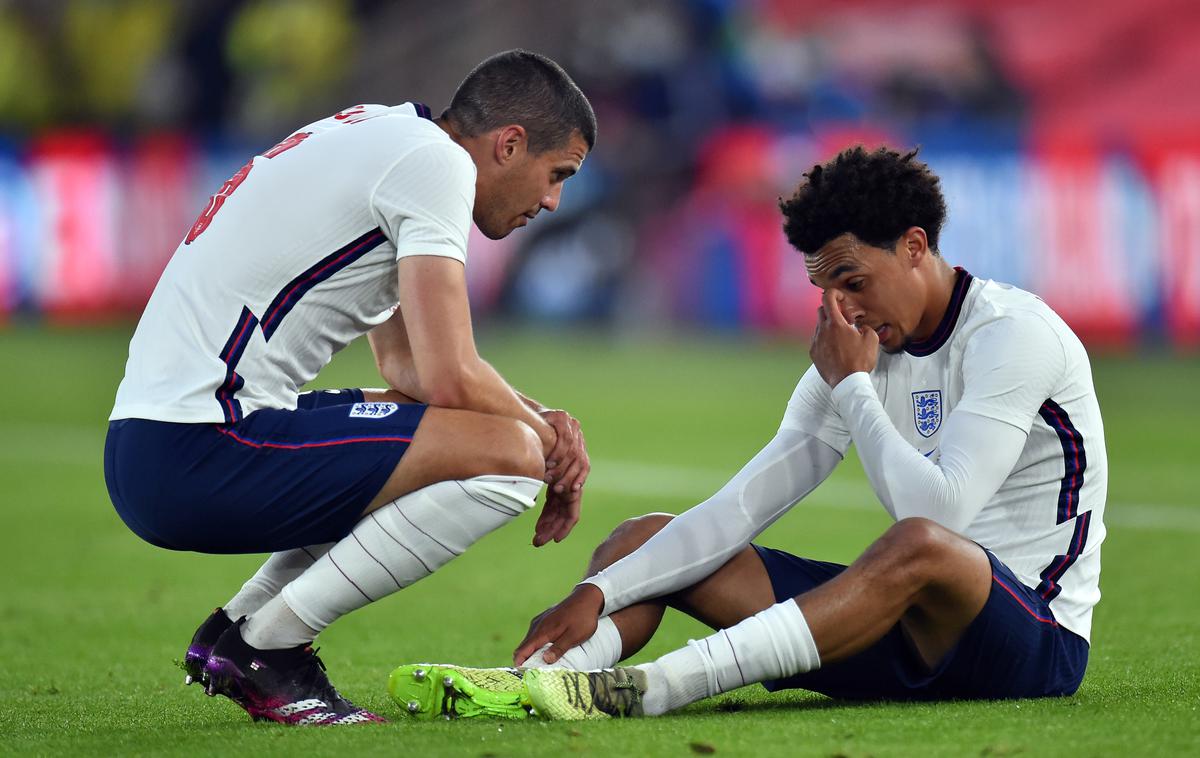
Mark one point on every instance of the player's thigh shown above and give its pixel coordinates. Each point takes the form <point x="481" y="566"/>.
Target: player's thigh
<point x="452" y="444"/>
<point x="953" y="581"/>
<point x="1014" y="647"/>
<point x="386" y="396"/>
<point x="315" y="399"/>
<point x="890" y="668"/>
<point x="275" y="480"/>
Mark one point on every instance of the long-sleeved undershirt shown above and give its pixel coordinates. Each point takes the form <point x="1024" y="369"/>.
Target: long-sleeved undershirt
<point x="980" y="443"/>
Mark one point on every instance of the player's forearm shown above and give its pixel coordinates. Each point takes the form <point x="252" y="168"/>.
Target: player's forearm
<point x="701" y="540"/>
<point x="394" y="359"/>
<point x="477" y="386"/>
<point x="953" y="483"/>
<point x="529" y="402"/>
<point x="402" y="377"/>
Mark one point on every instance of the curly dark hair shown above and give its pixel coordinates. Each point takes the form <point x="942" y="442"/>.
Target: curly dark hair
<point x="874" y="195"/>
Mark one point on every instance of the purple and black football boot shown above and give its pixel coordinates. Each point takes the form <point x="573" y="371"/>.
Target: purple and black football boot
<point x="202" y="644"/>
<point x="288" y="686"/>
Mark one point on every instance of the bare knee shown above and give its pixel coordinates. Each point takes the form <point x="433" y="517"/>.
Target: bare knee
<point x="519" y="452"/>
<point x="913" y="550"/>
<point x="626" y="538"/>
<point x="918" y="536"/>
<point x="634" y="532"/>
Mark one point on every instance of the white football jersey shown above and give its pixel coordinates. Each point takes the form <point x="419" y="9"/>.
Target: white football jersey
<point x="292" y="259"/>
<point x="1046" y="521"/>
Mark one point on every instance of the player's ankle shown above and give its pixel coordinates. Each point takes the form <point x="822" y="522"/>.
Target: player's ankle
<point x="275" y="627"/>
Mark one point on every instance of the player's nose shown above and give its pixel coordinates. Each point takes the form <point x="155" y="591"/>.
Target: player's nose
<point x="551" y="199"/>
<point x="851" y="310"/>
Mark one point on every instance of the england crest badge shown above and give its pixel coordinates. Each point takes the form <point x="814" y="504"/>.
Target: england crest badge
<point x="927" y="411"/>
<point x="372" y="410"/>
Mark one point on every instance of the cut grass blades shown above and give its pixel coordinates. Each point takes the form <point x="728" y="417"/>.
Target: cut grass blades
<point x="91" y="618"/>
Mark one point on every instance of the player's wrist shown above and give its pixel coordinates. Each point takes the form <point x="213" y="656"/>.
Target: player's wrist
<point x="849" y="380"/>
<point x="834" y="378"/>
<point x="548" y="436"/>
<point x="588" y="595"/>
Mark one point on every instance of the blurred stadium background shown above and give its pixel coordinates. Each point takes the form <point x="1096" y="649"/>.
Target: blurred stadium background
<point x="1066" y="134"/>
<point x="660" y="304"/>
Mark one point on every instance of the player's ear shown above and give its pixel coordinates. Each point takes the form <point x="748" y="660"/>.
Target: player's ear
<point x="914" y="245"/>
<point x="511" y="142"/>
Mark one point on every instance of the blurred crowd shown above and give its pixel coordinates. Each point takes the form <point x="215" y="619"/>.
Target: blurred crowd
<point x="1063" y="131"/>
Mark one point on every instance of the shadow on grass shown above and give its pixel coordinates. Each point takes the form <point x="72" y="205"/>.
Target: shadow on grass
<point x="802" y="701"/>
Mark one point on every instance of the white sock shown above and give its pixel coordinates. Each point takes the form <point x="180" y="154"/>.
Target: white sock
<point x="391" y="548"/>
<point x="276" y="626"/>
<point x="278" y="570"/>
<point x="600" y="651"/>
<point x="772" y="644"/>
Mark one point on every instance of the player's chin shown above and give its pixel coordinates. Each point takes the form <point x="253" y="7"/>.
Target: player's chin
<point x="891" y="343"/>
<point x="495" y="233"/>
<point x="500" y="231"/>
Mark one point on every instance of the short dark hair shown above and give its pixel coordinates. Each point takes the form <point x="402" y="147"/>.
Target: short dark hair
<point x="520" y="87"/>
<point x="875" y="196"/>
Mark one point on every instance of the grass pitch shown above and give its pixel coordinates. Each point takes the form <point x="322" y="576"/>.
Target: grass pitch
<point x="91" y="618"/>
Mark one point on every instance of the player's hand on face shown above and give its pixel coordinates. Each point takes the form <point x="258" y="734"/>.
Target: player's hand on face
<point x="563" y="626"/>
<point x="567" y="464"/>
<point x="840" y="348"/>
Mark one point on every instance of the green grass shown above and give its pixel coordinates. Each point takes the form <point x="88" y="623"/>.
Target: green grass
<point x="91" y="618"/>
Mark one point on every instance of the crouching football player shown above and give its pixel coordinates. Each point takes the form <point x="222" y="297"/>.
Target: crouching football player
<point x="972" y="407"/>
<point x="356" y="224"/>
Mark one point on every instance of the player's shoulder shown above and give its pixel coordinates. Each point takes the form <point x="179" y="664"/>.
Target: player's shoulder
<point x="1004" y="308"/>
<point x="386" y="131"/>
<point x="410" y="133"/>
<point x="410" y="116"/>
<point x="1007" y="320"/>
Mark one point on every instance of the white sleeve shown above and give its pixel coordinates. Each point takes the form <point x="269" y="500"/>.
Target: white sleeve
<point x="1009" y="369"/>
<point x="423" y="203"/>
<point x="700" y="540"/>
<point x="811" y="410"/>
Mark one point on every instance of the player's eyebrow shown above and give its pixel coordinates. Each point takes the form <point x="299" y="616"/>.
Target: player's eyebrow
<point x="838" y="271"/>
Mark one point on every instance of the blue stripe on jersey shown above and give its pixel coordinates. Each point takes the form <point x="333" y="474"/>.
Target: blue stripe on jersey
<point x="423" y="111"/>
<point x="1073" y="454"/>
<point x="1074" y="465"/>
<point x="944" y="328"/>
<point x="1049" y="588"/>
<point x="230" y="355"/>
<point x="319" y="272"/>
<point x="280" y="307"/>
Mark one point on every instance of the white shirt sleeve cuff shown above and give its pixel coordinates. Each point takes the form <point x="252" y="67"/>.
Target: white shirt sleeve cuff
<point x="602" y="583"/>
<point x="852" y="385"/>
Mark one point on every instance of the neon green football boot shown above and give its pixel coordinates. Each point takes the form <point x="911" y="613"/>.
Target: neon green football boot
<point x="434" y="690"/>
<point x="565" y="695"/>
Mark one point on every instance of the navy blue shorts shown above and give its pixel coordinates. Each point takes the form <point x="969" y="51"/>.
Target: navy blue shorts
<point x="1013" y="649"/>
<point x="276" y="480"/>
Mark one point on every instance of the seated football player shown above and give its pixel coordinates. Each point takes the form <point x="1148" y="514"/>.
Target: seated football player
<point x="356" y="224"/>
<point x="972" y="408"/>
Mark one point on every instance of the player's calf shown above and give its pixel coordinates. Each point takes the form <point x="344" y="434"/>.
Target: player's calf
<point x="396" y="546"/>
